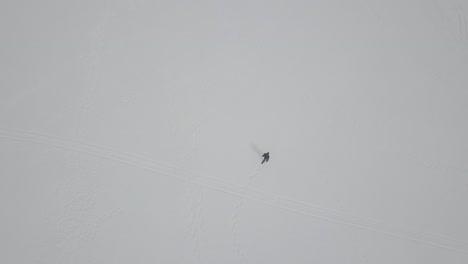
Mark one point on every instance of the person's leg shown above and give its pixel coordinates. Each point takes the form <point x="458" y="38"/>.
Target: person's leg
<point x="263" y="161"/>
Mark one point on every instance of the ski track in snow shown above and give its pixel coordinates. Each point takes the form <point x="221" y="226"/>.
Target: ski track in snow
<point x="92" y="97"/>
<point x="235" y="220"/>
<point x="196" y="223"/>
<point x="193" y="142"/>
<point x="237" y="190"/>
<point x="462" y="22"/>
<point x="235" y="232"/>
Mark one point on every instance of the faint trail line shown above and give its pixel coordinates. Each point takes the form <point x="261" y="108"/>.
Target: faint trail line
<point x="89" y="149"/>
<point x="253" y="175"/>
<point x="462" y="22"/>
<point x="460" y="26"/>
<point x="235" y="219"/>
<point x="466" y="28"/>
<point x="330" y="215"/>
<point x="240" y="191"/>
<point x="196" y="222"/>
<point x="194" y="141"/>
<point x="96" y="66"/>
<point x="235" y="232"/>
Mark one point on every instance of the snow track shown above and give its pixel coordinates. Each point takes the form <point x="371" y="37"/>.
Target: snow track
<point x="244" y="192"/>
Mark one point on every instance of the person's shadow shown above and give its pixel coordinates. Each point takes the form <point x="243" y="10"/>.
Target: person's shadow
<point x="256" y="149"/>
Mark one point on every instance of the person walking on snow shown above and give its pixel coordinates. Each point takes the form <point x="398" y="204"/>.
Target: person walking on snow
<point x="266" y="157"/>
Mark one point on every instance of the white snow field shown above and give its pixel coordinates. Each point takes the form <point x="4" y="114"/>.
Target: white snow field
<point x="132" y="131"/>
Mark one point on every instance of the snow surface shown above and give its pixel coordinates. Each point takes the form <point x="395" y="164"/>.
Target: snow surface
<point x="132" y="131"/>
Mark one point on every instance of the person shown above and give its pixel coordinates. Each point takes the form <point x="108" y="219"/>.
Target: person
<point x="266" y="157"/>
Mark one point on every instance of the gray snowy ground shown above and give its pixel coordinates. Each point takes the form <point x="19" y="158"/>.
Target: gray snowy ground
<point x="132" y="131"/>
